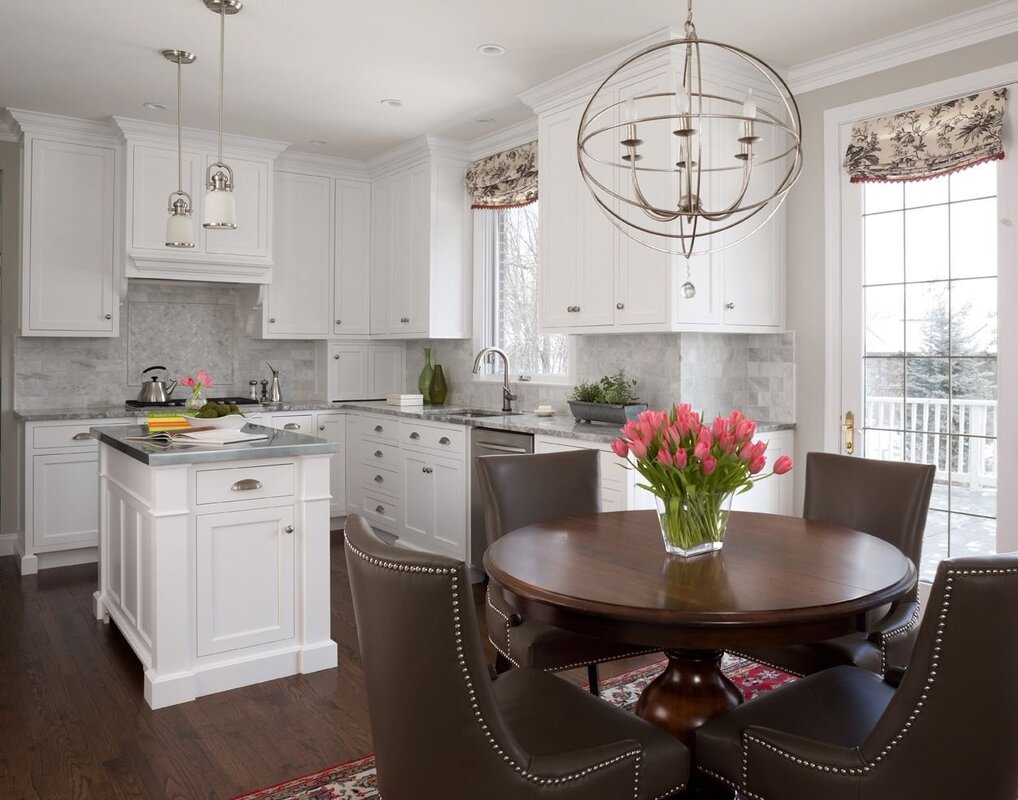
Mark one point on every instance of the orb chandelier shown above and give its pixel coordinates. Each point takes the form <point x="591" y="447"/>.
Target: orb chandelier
<point x="700" y="160"/>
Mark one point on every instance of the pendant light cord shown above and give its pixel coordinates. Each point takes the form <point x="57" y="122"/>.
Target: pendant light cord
<point x="180" y="157"/>
<point x="222" y="69"/>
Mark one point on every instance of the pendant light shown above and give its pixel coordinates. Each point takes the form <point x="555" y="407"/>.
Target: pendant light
<point x="179" y="230"/>
<point x="220" y="212"/>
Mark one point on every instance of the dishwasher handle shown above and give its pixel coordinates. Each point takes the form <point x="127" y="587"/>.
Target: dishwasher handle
<point x="501" y="448"/>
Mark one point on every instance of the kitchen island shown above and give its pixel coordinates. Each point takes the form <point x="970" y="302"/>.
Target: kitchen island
<point x="214" y="561"/>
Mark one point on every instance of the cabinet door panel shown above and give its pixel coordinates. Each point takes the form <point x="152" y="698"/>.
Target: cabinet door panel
<point x="558" y="219"/>
<point x="411" y="238"/>
<point x="298" y="297"/>
<point x="154" y="171"/>
<point x="245" y="578"/>
<point x="348" y="373"/>
<point x="352" y="257"/>
<point x="65" y="501"/>
<point x="449" y="493"/>
<point x="381" y="255"/>
<point x="252" y="180"/>
<point x="332" y="428"/>
<point x="70" y="252"/>
<point x="418" y="500"/>
<point x="385" y="371"/>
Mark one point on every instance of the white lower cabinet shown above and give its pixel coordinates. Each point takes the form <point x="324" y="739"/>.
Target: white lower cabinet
<point x="244" y="579"/>
<point x="332" y="428"/>
<point x="296" y="423"/>
<point x="772" y="495"/>
<point x="434" y="503"/>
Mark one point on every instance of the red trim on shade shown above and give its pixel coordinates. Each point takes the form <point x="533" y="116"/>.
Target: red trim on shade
<point x="995" y="157"/>
<point x="481" y="207"/>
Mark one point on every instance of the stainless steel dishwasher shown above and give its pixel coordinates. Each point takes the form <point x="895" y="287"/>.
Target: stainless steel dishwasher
<point x="484" y="442"/>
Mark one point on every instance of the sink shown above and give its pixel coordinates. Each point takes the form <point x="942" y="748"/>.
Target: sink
<point x="479" y="413"/>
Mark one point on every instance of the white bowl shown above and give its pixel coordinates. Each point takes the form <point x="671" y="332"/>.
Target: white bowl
<point x="231" y="421"/>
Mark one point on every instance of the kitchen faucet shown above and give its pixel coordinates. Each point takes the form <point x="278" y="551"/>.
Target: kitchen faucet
<point x="507" y="395"/>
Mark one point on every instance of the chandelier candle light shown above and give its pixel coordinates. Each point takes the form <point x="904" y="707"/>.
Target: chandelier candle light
<point x="179" y="231"/>
<point x="679" y="168"/>
<point x="694" y="470"/>
<point x="220" y="206"/>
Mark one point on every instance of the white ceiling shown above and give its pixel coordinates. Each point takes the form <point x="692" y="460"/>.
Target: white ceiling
<point x="316" y="69"/>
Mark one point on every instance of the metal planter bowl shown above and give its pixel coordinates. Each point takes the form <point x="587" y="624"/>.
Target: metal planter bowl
<point x="602" y="412"/>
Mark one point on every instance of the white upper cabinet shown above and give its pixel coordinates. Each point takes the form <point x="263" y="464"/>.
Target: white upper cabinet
<point x="244" y="255"/>
<point x="352" y="291"/>
<point x="71" y="204"/>
<point x="420" y="272"/>
<point x="594" y="278"/>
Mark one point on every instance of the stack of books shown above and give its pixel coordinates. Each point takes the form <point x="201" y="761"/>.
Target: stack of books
<point x="404" y="400"/>
<point x="166" y="421"/>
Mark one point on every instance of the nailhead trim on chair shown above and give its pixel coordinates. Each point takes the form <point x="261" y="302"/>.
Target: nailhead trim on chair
<point x="896" y="633"/>
<point x="508" y="625"/>
<point x="931" y="676"/>
<point x="636" y="755"/>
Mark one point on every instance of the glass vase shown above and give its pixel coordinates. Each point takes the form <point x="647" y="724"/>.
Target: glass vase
<point x="692" y="526"/>
<point x="438" y="389"/>
<point x="195" y="401"/>
<point x="424" y="379"/>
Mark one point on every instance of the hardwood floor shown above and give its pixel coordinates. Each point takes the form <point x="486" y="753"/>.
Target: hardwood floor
<point x="74" y="724"/>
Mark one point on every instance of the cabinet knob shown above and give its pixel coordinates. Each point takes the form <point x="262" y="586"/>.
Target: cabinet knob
<point x="427" y="470"/>
<point x="620" y="306"/>
<point x="107" y="316"/>
<point x="415" y="436"/>
<point x="288" y="529"/>
<point x="378" y="454"/>
<point x="379" y="429"/>
<point x="291" y="426"/>
<point x="339" y="322"/>
<point x="379" y="509"/>
<point x="379" y="479"/>
<point x="729" y="305"/>
<point x="576" y="309"/>
<point x="444" y="440"/>
<point x="321" y="427"/>
<point x="404" y="319"/>
<point x="336" y="356"/>
<point x="272" y="319"/>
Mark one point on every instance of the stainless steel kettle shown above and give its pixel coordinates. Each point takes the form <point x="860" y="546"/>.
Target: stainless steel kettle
<point x="155" y="390"/>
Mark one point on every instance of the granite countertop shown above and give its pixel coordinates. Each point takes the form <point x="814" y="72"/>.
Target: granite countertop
<point x="280" y="444"/>
<point x="561" y="424"/>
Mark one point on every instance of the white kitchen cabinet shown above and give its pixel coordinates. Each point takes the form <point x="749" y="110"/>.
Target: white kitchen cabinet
<point x="772" y="495"/>
<point x="250" y="239"/>
<point x="71" y="201"/>
<point x="299" y="299"/>
<point x="421" y="269"/>
<point x="352" y="272"/>
<point x="244" y="582"/>
<point x="360" y="371"/>
<point x="154" y="173"/>
<point x="296" y="423"/>
<point x="332" y="428"/>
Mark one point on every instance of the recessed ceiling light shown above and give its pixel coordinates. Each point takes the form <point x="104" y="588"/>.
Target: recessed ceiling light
<point x="154" y="106"/>
<point x="391" y="102"/>
<point x="317" y="141"/>
<point x="484" y="120"/>
<point x="491" y="50"/>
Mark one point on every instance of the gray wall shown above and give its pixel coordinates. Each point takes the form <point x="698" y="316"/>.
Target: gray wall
<point x="807" y="291"/>
<point x="717" y="373"/>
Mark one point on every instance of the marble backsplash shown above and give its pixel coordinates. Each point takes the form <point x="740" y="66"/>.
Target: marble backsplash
<point x="180" y="325"/>
<point x="717" y="373"/>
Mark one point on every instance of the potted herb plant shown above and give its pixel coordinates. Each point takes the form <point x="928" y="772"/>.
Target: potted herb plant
<point x="611" y="399"/>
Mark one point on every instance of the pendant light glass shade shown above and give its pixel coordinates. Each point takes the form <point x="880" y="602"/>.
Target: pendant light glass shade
<point x="179" y="230"/>
<point x="220" y="210"/>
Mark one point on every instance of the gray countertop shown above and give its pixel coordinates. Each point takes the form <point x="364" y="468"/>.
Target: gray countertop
<point x="280" y="444"/>
<point x="561" y="424"/>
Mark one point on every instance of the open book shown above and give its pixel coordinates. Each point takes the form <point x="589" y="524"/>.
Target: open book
<point x="198" y="436"/>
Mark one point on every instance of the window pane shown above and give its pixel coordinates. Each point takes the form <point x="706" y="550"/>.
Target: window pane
<point x="884" y="236"/>
<point x="973" y="536"/>
<point x="936" y="544"/>
<point x="978" y="181"/>
<point x="881" y="197"/>
<point x="885" y="380"/>
<point x="926" y="323"/>
<point x="974" y="379"/>
<point x="926" y="244"/>
<point x="925" y="193"/>
<point x="885" y="319"/>
<point x="974" y="317"/>
<point x="974" y="239"/>
<point x="927" y="390"/>
<point x="888" y="445"/>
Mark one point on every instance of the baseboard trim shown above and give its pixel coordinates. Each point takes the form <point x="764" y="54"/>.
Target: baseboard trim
<point x="7" y="544"/>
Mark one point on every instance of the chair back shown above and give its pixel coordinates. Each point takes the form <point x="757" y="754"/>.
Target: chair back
<point x="951" y="729"/>
<point x="888" y="499"/>
<point x="520" y="490"/>
<point x="435" y="725"/>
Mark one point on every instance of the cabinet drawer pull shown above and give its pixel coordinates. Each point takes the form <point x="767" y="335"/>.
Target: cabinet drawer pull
<point x="80" y="437"/>
<point x="444" y="440"/>
<point x="379" y="429"/>
<point x="379" y="454"/>
<point x="379" y="479"/>
<point x="729" y="305"/>
<point x="291" y="426"/>
<point x="427" y="470"/>
<point x="288" y="529"/>
<point x="246" y="485"/>
<point x="415" y="436"/>
<point x="379" y="509"/>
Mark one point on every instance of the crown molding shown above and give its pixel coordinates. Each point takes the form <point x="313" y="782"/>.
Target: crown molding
<point x="24" y="122"/>
<point x="505" y="139"/>
<point x="320" y="164"/>
<point x="136" y="130"/>
<point x="8" y="127"/>
<point x="414" y="152"/>
<point x="951" y="33"/>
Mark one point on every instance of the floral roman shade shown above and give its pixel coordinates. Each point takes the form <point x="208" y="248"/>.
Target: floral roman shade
<point x="928" y="142"/>
<point x="504" y="180"/>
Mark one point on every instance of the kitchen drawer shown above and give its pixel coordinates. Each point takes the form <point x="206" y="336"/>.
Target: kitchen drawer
<point x="376" y="454"/>
<point x="612" y="499"/>
<point x="611" y="470"/>
<point x="380" y="511"/>
<point x="380" y="429"/>
<point x="71" y="435"/>
<point x="376" y="478"/>
<point x="244" y="483"/>
<point x="297" y="423"/>
<point x="452" y="441"/>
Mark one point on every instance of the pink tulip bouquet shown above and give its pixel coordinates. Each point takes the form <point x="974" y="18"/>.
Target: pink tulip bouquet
<point x="693" y="470"/>
<point x="200" y="380"/>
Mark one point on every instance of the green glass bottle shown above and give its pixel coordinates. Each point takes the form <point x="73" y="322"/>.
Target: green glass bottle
<point x="424" y="379"/>
<point x="438" y="389"/>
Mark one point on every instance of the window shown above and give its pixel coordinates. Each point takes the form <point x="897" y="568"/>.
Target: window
<point x="509" y="301"/>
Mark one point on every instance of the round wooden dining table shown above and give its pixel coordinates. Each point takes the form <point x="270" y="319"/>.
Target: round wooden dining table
<point x="777" y="580"/>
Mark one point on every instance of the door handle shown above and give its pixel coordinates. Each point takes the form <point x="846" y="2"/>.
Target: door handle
<point x="501" y="448"/>
<point x="849" y="428"/>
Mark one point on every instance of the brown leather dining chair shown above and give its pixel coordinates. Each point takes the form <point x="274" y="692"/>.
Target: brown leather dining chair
<point x="444" y="728"/>
<point x="520" y="490"/>
<point x="888" y="499"/>
<point x="943" y="729"/>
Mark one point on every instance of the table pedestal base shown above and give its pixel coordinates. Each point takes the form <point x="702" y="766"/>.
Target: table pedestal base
<point x="690" y="691"/>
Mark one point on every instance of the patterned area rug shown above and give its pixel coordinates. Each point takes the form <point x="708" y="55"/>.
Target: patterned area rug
<point x="355" y="780"/>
